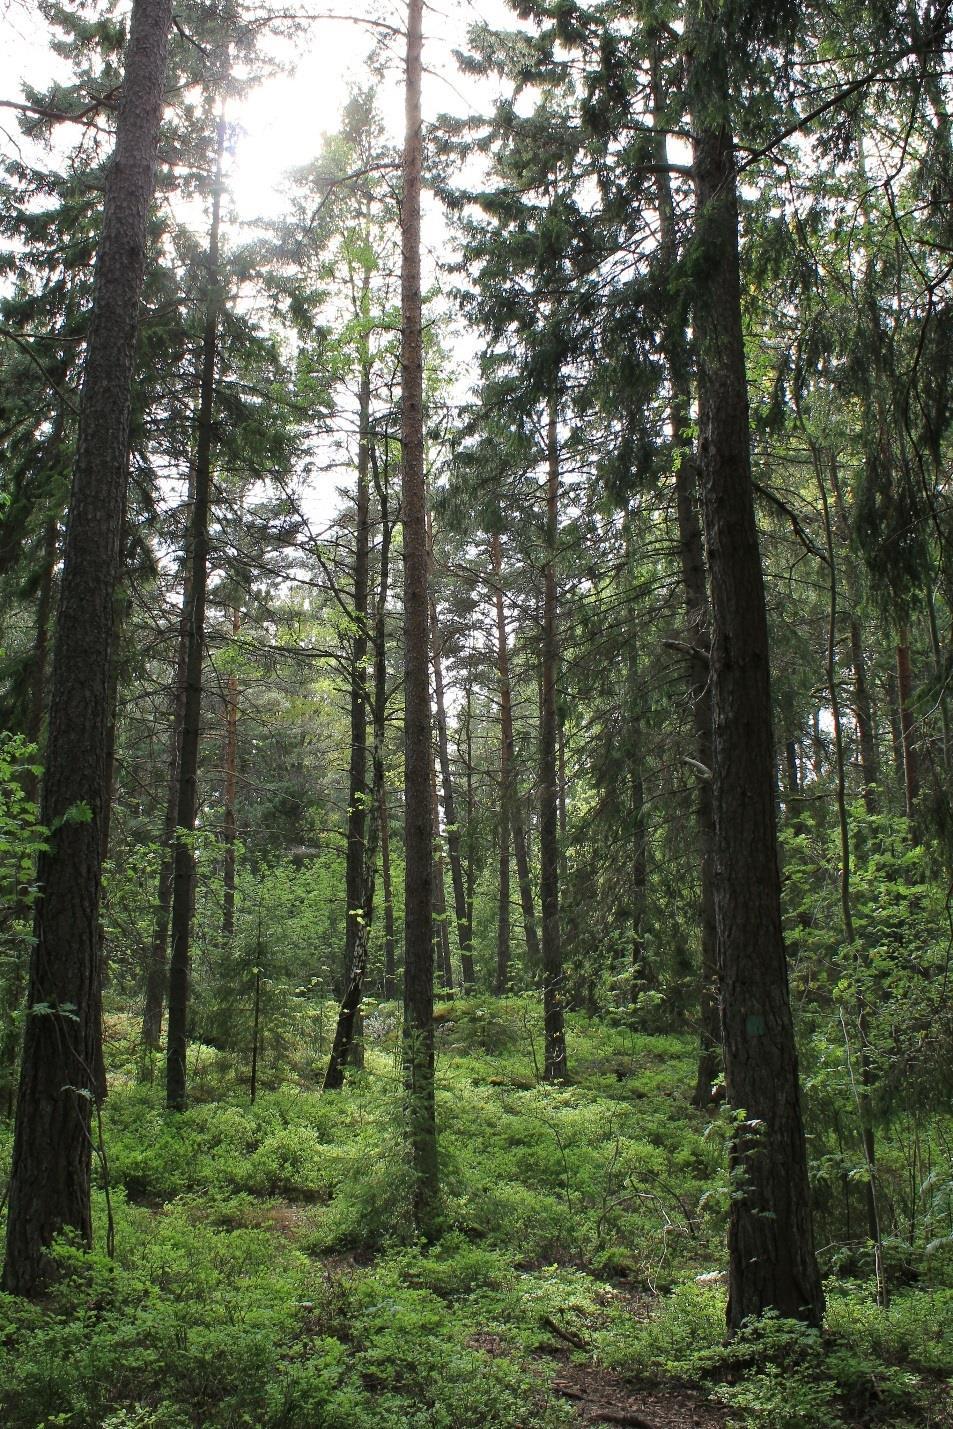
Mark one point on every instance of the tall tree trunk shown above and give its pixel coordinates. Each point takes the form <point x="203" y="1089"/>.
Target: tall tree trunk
<point x="451" y="826"/>
<point x="509" y="791"/>
<point x="418" y="836"/>
<point x="772" y="1264"/>
<point x="183" y="863"/>
<point x="50" y="1176"/>
<point x="229" y="825"/>
<point x="555" y="1064"/>
<point x="698" y="623"/>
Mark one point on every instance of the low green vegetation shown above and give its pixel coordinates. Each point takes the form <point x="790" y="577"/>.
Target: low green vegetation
<point x="265" y="1271"/>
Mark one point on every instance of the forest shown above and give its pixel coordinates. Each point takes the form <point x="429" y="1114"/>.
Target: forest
<point x="476" y="688"/>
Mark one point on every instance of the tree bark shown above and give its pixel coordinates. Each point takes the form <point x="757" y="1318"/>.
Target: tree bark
<point x="418" y="836"/>
<point x="772" y="1264"/>
<point x="183" y="862"/>
<point x="50" y="1175"/>
<point x="555" y="1064"/>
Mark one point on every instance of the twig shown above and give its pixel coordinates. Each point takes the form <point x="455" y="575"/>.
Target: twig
<point x="570" y="1336"/>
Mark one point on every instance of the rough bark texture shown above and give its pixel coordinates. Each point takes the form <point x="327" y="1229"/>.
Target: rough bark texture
<point x="418" y="832"/>
<point x="772" y="1264"/>
<point x="50" y="1175"/>
<point x="183" y="862"/>
<point x="555" y="1065"/>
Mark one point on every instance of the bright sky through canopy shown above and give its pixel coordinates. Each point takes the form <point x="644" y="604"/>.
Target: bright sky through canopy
<point x="282" y="122"/>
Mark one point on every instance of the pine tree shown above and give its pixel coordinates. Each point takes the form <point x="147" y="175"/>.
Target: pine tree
<point x="50" y="1176"/>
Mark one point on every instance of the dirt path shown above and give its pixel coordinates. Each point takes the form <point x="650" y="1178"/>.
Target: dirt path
<point x="600" y="1398"/>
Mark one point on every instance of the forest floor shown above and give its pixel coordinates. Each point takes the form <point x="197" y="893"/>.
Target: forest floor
<point x="266" y="1274"/>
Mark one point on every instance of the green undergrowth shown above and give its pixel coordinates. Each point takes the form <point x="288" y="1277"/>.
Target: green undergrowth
<point x="266" y="1272"/>
<point x="867" y="1367"/>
